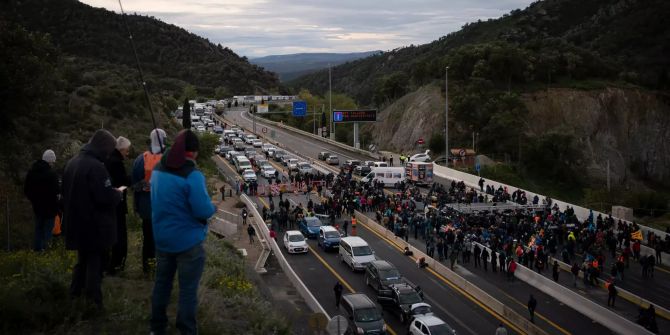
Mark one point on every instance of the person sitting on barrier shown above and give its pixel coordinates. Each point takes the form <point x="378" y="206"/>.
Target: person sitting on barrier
<point x="408" y="252"/>
<point x="421" y="262"/>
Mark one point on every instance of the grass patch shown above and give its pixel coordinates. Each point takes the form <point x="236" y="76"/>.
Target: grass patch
<point x="34" y="295"/>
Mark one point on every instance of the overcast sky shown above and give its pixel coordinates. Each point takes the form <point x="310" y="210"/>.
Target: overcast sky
<point x="256" y="28"/>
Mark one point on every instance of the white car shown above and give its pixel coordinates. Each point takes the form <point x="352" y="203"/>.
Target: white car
<point x="292" y="164"/>
<point x="201" y="129"/>
<point x="249" y="175"/>
<point x="294" y="242"/>
<point x="268" y="171"/>
<point x="304" y="168"/>
<point x="257" y="143"/>
<point x="249" y="138"/>
<point x="267" y="147"/>
<point x="429" y="325"/>
<point x="420" y="157"/>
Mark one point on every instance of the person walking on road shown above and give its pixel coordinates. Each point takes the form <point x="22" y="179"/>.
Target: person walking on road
<point x="345" y="225"/>
<point x="180" y="209"/>
<point x="42" y="189"/>
<point x="575" y="273"/>
<point x="89" y="214"/>
<point x="477" y="255"/>
<point x="244" y="216"/>
<point x="142" y="169"/>
<point x="338" y="293"/>
<point x="391" y="161"/>
<point x="532" y="303"/>
<point x="555" y="271"/>
<point x="485" y="258"/>
<point x="611" y="293"/>
<point x="251" y="231"/>
<point x="501" y="330"/>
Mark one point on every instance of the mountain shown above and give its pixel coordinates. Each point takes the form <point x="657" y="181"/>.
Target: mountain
<point x="291" y="66"/>
<point x="163" y="49"/>
<point x="551" y="41"/>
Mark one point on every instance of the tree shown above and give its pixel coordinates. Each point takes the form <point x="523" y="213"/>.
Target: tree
<point x="186" y="115"/>
<point x="221" y="93"/>
<point x="436" y="143"/>
<point x="207" y="144"/>
<point x="189" y="92"/>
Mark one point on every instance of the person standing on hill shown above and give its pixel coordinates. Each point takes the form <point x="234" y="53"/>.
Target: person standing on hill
<point x="41" y="188"/>
<point x="89" y="213"/>
<point x="142" y="168"/>
<point x="119" y="177"/>
<point x="180" y="208"/>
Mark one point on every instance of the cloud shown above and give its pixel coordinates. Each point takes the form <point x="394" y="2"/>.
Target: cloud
<point x="264" y="27"/>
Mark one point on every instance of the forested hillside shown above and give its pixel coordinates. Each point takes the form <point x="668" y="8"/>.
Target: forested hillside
<point x="550" y="42"/>
<point x="294" y="65"/>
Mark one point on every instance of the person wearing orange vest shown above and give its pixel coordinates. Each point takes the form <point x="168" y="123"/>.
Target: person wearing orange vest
<point x="353" y="225"/>
<point x="142" y="169"/>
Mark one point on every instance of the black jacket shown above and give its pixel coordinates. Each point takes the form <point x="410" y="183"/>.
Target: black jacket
<point x="42" y="189"/>
<point x="119" y="176"/>
<point x="89" y="215"/>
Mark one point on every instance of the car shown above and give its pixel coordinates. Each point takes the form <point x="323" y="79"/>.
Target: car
<point x="420" y="157"/>
<point x="259" y="160"/>
<point x="267" y="147"/>
<point x="217" y="150"/>
<point x="403" y="296"/>
<point x="268" y="171"/>
<point x="201" y="129"/>
<point x="238" y="144"/>
<point x="364" y="316"/>
<point x="333" y="160"/>
<point x="329" y="238"/>
<point x="309" y="226"/>
<point x="278" y="155"/>
<point x="380" y="275"/>
<point x="249" y="175"/>
<point x="292" y="164"/>
<point x="249" y="152"/>
<point x="304" y="168"/>
<point x="249" y="138"/>
<point x="324" y="155"/>
<point x="294" y="242"/>
<point x="224" y="149"/>
<point x="257" y="143"/>
<point x="271" y="152"/>
<point x="352" y="163"/>
<point x="362" y="170"/>
<point x="429" y="325"/>
<point x="230" y="155"/>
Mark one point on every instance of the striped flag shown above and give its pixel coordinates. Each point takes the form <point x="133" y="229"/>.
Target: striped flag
<point x="636" y="235"/>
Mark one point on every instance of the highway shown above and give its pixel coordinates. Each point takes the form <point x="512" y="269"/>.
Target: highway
<point x="320" y="270"/>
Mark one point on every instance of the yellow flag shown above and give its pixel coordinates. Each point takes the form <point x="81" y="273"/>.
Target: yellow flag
<point x="637" y="235"/>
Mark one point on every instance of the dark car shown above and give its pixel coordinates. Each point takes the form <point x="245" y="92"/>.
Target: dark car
<point x="380" y="275"/>
<point x="405" y="301"/>
<point x="323" y="155"/>
<point x="362" y="170"/>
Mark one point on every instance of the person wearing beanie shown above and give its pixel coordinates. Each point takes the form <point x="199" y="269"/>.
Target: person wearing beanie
<point x="181" y="207"/>
<point x="42" y="189"/>
<point x="89" y="213"/>
<point x="141" y="175"/>
<point x="119" y="176"/>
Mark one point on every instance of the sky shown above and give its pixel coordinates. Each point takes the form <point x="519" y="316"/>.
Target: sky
<point x="256" y="28"/>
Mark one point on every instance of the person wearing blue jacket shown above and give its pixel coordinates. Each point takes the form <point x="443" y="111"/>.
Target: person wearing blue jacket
<point x="180" y="207"/>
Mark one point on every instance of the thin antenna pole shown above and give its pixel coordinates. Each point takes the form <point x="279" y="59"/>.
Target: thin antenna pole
<point x="144" y="84"/>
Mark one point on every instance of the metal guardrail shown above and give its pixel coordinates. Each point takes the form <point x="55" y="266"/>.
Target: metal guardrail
<point x="263" y="232"/>
<point x="614" y="322"/>
<point x="475" y="292"/>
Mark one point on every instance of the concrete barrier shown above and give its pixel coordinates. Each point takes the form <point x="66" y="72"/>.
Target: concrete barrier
<point x="461" y="283"/>
<point x="614" y="322"/>
<point x="264" y="233"/>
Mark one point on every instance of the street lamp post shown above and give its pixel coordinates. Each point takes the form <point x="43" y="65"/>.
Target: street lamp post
<point x="330" y="103"/>
<point x="446" y="116"/>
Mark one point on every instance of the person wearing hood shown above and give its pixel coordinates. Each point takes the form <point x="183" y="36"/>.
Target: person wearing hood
<point x="119" y="176"/>
<point x="42" y="189"/>
<point x="181" y="207"/>
<point x="142" y="168"/>
<point x="89" y="213"/>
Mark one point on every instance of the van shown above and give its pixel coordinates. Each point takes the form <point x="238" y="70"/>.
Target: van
<point x="242" y="163"/>
<point x="387" y="175"/>
<point x="380" y="164"/>
<point x="363" y="315"/>
<point x="355" y="252"/>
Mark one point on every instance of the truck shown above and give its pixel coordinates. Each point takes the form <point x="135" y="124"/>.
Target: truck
<point x="420" y="173"/>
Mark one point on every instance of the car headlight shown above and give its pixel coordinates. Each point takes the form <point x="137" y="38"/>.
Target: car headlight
<point x="360" y="330"/>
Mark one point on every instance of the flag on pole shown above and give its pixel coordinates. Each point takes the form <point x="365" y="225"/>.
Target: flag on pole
<point x="636" y="235"/>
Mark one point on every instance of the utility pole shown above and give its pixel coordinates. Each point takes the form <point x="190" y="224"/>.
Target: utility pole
<point x="608" y="175"/>
<point x="314" y="119"/>
<point x="446" y="113"/>
<point x="330" y="102"/>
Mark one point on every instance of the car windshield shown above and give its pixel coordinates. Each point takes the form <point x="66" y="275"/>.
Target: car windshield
<point x="362" y="251"/>
<point x="296" y="238"/>
<point x="389" y="274"/>
<point x="367" y="315"/>
<point x="313" y="222"/>
<point x="442" y="329"/>
<point x="332" y="234"/>
<point x="409" y="297"/>
<point x="422" y="310"/>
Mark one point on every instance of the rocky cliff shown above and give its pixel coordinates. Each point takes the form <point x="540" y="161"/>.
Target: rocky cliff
<point x="628" y="127"/>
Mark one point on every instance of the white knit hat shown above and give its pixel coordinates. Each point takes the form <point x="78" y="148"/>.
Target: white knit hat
<point x="155" y="143"/>
<point x="49" y="156"/>
<point x="122" y="143"/>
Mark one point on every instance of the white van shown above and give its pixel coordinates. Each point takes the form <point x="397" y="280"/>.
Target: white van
<point x="355" y="252"/>
<point x="242" y="163"/>
<point x="387" y="175"/>
<point x="380" y="164"/>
